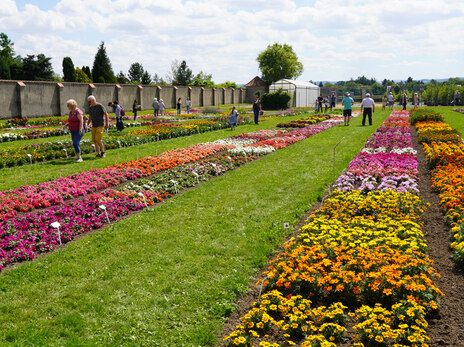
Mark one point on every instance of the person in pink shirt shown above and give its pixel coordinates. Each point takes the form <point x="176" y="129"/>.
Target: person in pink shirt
<point x="76" y="125"/>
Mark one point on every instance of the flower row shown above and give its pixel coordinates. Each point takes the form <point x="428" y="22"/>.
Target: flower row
<point x="23" y="236"/>
<point x="445" y="157"/>
<point x="361" y="254"/>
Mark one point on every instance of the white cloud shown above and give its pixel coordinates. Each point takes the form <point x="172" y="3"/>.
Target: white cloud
<point x="335" y="40"/>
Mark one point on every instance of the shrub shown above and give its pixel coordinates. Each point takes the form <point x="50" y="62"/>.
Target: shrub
<point x="275" y="101"/>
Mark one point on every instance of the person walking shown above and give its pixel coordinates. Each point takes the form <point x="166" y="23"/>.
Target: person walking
<point x="390" y="101"/>
<point x="233" y="118"/>
<point x="76" y="125"/>
<point x="257" y="109"/>
<point x="367" y="107"/>
<point x="326" y="104"/>
<point x="333" y="101"/>
<point x="135" y="108"/>
<point x="320" y="100"/>
<point x="416" y="100"/>
<point x="179" y="105"/>
<point x="161" y="106"/>
<point x="155" y="105"/>
<point x="188" y="103"/>
<point x="457" y="98"/>
<point x="118" y="113"/>
<point x="98" y="118"/>
<point x="347" y="105"/>
<point x="404" y="100"/>
<point x="384" y="103"/>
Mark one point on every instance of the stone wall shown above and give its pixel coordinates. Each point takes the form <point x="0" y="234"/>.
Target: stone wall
<point x="45" y="99"/>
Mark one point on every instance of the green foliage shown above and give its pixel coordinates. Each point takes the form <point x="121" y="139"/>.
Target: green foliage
<point x="182" y="75"/>
<point x="228" y="84"/>
<point x="37" y="68"/>
<point x="102" y="72"/>
<point x="279" y="61"/>
<point x="87" y="71"/>
<point x="135" y="73"/>
<point x="69" y="72"/>
<point x="146" y="78"/>
<point x="203" y="79"/>
<point x="442" y="93"/>
<point x="421" y="115"/>
<point x="4" y="69"/>
<point x="275" y="101"/>
<point x="122" y="79"/>
<point x="159" y="81"/>
<point x="81" y="76"/>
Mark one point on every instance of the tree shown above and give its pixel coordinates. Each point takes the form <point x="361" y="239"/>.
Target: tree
<point x="102" y="72"/>
<point x="87" y="71"/>
<point x="121" y="77"/>
<point x="37" y="69"/>
<point x="203" y="79"/>
<point x="228" y="84"/>
<point x="158" y="80"/>
<point x="5" y="73"/>
<point x="181" y="74"/>
<point x="277" y="62"/>
<point x="69" y="72"/>
<point x="321" y="85"/>
<point x="146" y="78"/>
<point x="135" y="72"/>
<point x="81" y="76"/>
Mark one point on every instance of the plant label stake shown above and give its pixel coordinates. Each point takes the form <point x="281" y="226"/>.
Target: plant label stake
<point x="94" y="148"/>
<point x="286" y="226"/>
<point x="175" y="185"/>
<point x="333" y="150"/>
<point x="30" y="158"/>
<point x="61" y="172"/>
<point x="143" y="196"/>
<point x="103" y="207"/>
<point x="196" y="175"/>
<point x="57" y="225"/>
<point x="65" y="152"/>
<point x="119" y="143"/>
<point x="215" y="168"/>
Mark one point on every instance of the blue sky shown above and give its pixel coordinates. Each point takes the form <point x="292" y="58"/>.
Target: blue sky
<point x="335" y="40"/>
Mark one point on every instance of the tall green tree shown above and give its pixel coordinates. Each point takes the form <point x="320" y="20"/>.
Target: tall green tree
<point x="135" y="72"/>
<point x="69" y="72"/>
<point x="5" y="73"/>
<point x="181" y="74"/>
<point x="37" y="68"/>
<point x="87" y="71"/>
<point x="279" y="61"/>
<point x="122" y="79"/>
<point x="102" y="72"/>
<point x="146" y="78"/>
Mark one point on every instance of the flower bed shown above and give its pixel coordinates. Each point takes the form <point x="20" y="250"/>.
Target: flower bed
<point x="22" y="236"/>
<point x="359" y="264"/>
<point x="445" y="158"/>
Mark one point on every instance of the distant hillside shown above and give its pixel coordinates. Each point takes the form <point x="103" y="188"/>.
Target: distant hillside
<point x="425" y="80"/>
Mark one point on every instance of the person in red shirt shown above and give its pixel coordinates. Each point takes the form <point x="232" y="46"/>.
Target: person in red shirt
<point x="76" y="125"/>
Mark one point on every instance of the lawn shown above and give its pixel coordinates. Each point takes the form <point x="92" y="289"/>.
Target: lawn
<point x="170" y="275"/>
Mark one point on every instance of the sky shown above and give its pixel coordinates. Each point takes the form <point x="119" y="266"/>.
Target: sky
<point x="334" y="40"/>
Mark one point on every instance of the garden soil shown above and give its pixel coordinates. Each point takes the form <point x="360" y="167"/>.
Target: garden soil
<point x="445" y="328"/>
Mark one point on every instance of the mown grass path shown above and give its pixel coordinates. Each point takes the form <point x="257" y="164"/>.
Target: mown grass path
<point x="169" y="275"/>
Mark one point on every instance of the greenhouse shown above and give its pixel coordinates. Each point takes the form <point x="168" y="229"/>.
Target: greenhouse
<point x="302" y="93"/>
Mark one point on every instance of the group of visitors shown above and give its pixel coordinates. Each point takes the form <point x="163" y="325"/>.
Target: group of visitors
<point x="326" y="102"/>
<point x="78" y="125"/>
<point x="367" y="108"/>
<point x="158" y="107"/>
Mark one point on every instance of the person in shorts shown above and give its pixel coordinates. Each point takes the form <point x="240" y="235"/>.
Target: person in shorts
<point x="99" y="119"/>
<point x="347" y="105"/>
<point x="367" y="107"/>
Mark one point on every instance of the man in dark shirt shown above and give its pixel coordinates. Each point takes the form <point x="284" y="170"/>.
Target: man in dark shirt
<point x="98" y="117"/>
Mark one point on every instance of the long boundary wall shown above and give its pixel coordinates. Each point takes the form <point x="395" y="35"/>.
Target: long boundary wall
<point x="44" y="99"/>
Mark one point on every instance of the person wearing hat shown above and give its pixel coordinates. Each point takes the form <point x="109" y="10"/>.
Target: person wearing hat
<point x="390" y="100"/>
<point x="347" y="104"/>
<point x="155" y="105"/>
<point x="367" y="107"/>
